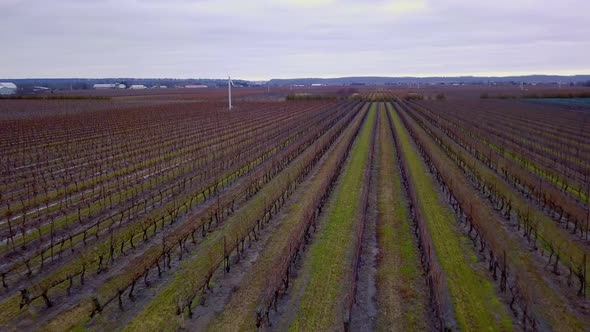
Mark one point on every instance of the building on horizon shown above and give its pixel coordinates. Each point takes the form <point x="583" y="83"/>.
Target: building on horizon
<point x="7" y="88"/>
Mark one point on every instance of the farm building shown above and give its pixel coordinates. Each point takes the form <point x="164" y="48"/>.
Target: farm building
<point x="40" y="89"/>
<point x="104" y="86"/>
<point x="137" y="87"/>
<point x="195" y="86"/>
<point x="7" y="88"/>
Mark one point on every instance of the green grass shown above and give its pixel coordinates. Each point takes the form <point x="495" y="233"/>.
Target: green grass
<point x="548" y="304"/>
<point x="401" y="290"/>
<point x="475" y="305"/>
<point x="239" y="313"/>
<point x="540" y="170"/>
<point x="330" y="256"/>
<point x="571" y="252"/>
<point x="9" y="309"/>
<point x="160" y="313"/>
<point x="96" y="206"/>
<point x="143" y="165"/>
<point x="89" y="254"/>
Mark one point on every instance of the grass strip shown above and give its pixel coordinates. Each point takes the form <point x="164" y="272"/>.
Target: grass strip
<point x="401" y="300"/>
<point x="476" y="306"/>
<point x="329" y="256"/>
<point x="548" y="306"/>
<point x="161" y="312"/>
<point x="240" y="312"/>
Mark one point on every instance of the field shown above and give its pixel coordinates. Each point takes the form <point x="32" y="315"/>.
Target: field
<point x="329" y="208"/>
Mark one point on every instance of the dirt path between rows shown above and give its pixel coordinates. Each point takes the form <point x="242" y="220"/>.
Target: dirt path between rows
<point x="364" y="311"/>
<point x="227" y="284"/>
<point x="63" y="302"/>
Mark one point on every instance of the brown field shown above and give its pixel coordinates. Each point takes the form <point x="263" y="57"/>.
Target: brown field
<point x="362" y="208"/>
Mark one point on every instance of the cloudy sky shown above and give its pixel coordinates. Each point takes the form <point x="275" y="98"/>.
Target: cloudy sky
<point x="261" y="39"/>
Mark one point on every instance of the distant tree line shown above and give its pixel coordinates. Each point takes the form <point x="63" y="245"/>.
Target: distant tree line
<point x="54" y="97"/>
<point x="302" y="96"/>
<point x="542" y="95"/>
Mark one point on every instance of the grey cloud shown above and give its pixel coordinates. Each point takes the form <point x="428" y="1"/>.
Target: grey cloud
<point x="260" y="39"/>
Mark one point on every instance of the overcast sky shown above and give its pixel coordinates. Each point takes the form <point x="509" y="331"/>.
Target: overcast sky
<point x="292" y="38"/>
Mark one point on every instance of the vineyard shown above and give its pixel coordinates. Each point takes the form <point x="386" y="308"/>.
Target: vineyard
<point x="382" y="209"/>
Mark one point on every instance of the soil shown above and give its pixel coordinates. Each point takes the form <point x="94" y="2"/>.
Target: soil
<point x="227" y="284"/>
<point x="286" y="306"/>
<point x="364" y="310"/>
<point x="62" y="302"/>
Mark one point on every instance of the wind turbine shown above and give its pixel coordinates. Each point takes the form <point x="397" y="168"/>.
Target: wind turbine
<point x="229" y="85"/>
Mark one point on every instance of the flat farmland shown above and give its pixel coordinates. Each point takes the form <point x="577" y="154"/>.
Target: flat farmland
<point x="383" y="209"/>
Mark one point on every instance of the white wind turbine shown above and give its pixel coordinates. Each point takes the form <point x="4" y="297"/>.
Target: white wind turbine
<point x="229" y="85"/>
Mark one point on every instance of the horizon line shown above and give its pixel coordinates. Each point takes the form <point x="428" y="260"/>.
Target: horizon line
<point x="292" y="78"/>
